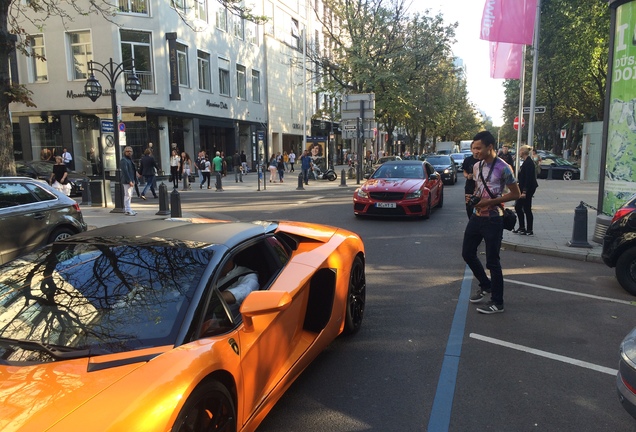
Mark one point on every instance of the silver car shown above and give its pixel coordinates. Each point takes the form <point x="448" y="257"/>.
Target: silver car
<point x="33" y="214"/>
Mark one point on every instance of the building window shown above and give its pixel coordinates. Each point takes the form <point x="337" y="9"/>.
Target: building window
<point x="224" y="77"/>
<point x="237" y="26"/>
<point x="251" y="32"/>
<point x="241" y="82"/>
<point x="295" y="34"/>
<point x="133" y="6"/>
<point x="203" y="65"/>
<point x="81" y="53"/>
<point x="179" y="5"/>
<point x="38" y="71"/>
<point x="136" y="46"/>
<point x="256" y="86"/>
<point x="182" y="65"/>
<point x="221" y="18"/>
<point x="201" y="10"/>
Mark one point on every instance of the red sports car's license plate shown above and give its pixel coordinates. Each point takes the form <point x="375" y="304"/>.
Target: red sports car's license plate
<point x="385" y="205"/>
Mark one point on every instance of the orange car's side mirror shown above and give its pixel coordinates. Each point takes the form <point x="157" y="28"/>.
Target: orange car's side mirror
<point x="262" y="303"/>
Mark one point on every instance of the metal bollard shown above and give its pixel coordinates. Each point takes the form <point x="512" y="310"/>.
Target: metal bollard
<point x="300" y="182"/>
<point x="164" y="205"/>
<point x="175" y="204"/>
<point x="579" y="231"/>
<point x="343" y="178"/>
<point x="86" y="193"/>
<point x="550" y="173"/>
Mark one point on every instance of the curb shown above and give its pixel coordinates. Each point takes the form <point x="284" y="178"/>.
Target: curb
<point x="575" y="254"/>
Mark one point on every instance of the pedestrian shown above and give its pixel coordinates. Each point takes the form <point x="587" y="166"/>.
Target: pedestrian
<point x="148" y="169"/>
<point x="204" y="169"/>
<point x="175" y="161"/>
<point x="469" y="186"/>
<point x="527" y="185"/>
<point x="223" y="165"/>
<point x="506" y="157"/>
<point x="281" y="168"/>
<point x="186" y="170"/>
<point x="286" y="160"/>
<point x="67" y="158"/>
<point x="492" y="176"/>
<point x="59" y="176"/>
<point x="243" y="163"/>
<point x="127" y="176"/>
<point x="236" y="165"/>
<point x="218" y="164"/>
<point x="272" y="167"/>
<point x="200" y="164"/>
<point x="292" y="160"/>
<point x="536" y="158"/>
<point x="305" y="166"/>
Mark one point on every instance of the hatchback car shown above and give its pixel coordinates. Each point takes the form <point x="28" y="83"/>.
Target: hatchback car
<point x="400" y="188"/>
<point x="43" y="169"/>
<point x="33" y="214"/>
<point x="445" y="166"/>
<point x="619" y="245"/>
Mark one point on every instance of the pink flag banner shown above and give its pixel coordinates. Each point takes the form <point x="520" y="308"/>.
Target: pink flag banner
<point x="506" y="60"/>
<point x="510" y="21"/>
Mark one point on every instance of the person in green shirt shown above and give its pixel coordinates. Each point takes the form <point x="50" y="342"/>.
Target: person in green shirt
<point x="217" y="163"/>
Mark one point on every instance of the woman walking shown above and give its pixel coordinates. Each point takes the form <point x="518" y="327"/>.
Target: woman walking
<point x="205" y="164"/>
<point x="175" y="160"/>
<point x="186" y="170"/>
<point x="59" y="176"/>
<point x="273" y="167"/>
<point x="528" y="185"/>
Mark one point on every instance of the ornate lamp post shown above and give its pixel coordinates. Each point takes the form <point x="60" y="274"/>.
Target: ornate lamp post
<point x="93" y="89"/>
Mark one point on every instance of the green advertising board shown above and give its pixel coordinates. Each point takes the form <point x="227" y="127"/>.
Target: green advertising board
<point x="620" y="168"/>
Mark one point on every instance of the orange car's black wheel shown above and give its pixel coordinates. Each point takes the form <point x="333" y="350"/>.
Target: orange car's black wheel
<point x="209" y="408"/>
<point x="356" y="297"/>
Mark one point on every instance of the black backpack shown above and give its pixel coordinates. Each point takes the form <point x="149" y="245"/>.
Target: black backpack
<point x="201" y="164"/>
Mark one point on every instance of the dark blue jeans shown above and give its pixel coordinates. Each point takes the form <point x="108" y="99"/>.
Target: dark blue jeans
<point x="305" y="175"/>
<point x="490" y="230"/>
<point x="150" y="183"/>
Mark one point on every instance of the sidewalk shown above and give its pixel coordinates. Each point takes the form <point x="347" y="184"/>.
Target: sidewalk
<point x="553" y="206"/>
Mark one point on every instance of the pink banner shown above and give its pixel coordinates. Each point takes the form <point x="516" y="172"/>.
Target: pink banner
<point x="506" y="60"/>
<point x="510" y="21"/>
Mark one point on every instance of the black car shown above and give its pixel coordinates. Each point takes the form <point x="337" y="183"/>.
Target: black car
<point x="559" y="168"/>
<point x="619" y="245"/>
<point x="43" y="169"/>
<point x="626" y="377"/>
<point x="445" y="166"/>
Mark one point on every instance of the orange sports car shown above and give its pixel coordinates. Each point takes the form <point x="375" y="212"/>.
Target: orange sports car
<point x="171" y="325"/>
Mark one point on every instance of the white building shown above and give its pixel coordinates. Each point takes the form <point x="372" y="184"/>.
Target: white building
<point x="210" y="81"/>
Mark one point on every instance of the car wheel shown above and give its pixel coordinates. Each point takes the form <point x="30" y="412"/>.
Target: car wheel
<point x="567" y="175"/>
<point x="626" y="270"/>
<point x="428" y="208"/>
<point x="209" y="408"/>
<point x="60" y="234"/>
<point x="356" y="298"/>
<point x="455" y="179"/>
<point x="440" y="203"/>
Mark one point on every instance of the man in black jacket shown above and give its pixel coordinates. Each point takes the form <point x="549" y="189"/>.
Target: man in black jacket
<point x="148" y="168"/>
<point x="528" y="185"/>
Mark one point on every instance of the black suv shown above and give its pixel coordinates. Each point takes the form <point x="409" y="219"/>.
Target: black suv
<point x="619" y="245"/>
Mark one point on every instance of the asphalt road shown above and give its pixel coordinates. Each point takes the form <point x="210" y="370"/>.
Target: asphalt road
<point x="426" y="360"/>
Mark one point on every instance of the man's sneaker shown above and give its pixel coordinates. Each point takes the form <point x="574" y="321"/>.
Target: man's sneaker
<point x="478" y="296"/>
<point x="520" y="231"/>
<point x="490" y="308"/>
<point x="529" y="233"/>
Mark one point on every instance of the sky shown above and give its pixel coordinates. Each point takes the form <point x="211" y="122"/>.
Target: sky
<point x="486" y="93"/>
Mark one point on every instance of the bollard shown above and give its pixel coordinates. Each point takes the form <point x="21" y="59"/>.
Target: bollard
<point x="86" y="193"/>
<point x="175" y="204"/>
<point x="300" y="182"/>
<point x="164" y="205"/>
<point x="343" y="179"/>
<point x="579" y="231"/>
<point x="550" y="173"/>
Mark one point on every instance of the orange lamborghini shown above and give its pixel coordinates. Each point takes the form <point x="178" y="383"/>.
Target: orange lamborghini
<point x="141" y="326"/>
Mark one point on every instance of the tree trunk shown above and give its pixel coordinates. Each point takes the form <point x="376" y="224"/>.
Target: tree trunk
<point x="7" y="45"/>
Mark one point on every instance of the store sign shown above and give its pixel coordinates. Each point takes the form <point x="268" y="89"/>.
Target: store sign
<point x="221" y="105"/>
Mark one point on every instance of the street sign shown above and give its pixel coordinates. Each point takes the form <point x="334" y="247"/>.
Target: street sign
<point x="350" y="108"/>
<point x="537" y="110"/>
<point x="564" y="133"/>
<point x="515" y="124"/>
<point x="122" y="127"/>
<point x="349" y="127"/>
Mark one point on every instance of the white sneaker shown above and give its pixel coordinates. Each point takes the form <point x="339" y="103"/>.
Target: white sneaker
<point x="131" y="213"/>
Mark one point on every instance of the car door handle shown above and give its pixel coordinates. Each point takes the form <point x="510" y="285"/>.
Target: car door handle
<point x="39" y="216"/>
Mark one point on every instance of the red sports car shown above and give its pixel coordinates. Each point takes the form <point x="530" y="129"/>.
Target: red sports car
<point x="400" y="188"/>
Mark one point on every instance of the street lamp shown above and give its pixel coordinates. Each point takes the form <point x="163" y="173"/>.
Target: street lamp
<point x="93" y="89"/>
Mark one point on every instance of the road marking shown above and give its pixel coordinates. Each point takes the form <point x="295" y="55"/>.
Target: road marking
<point x="439" y="420"/>
<point x="545" y="354"/>
<point x="626" y="302"/>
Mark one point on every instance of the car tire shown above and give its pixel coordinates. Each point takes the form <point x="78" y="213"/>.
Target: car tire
<point x="440" y="203"/>
<point x="209" y="400"/>
<point x="568" y="175"/>
<point x="356" y="298"/>
<point x="60" y="234"/>
<point x="626" y="270"/>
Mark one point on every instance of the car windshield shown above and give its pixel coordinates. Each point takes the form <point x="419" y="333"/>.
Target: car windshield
<point x="439" y="160"/>
<point x="101" y="298"/>
<point x="457" y="156"/>
<point x="389" y="170"/>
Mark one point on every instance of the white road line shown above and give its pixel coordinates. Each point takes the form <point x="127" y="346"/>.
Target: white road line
<point x="545" y="354"/>
<point x="626" y="302"/>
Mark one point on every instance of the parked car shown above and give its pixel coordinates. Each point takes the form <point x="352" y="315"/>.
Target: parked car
<point x="560" y="169"/>
<point x="128" y="327"/>
<point x="400" y="188"/>
<point x="619" y="245"/>
<point x="458" y="158"/>
<point x="33" y="214"/>
<point x="39" y="169"/>
<point x="445" y="166"/>
<point x="626" y="377"/>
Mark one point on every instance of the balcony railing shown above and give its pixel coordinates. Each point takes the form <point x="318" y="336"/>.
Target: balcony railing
<point x="145" y="78"/>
